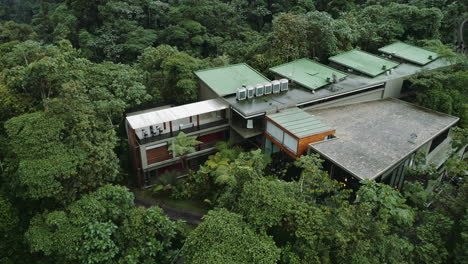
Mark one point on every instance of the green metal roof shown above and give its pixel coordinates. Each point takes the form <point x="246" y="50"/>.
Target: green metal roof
<point x="410" y="53"/>
<point x="299" y="123"/>
<point x="364" y="62"/>
<point x="225" y="80"/>
<point x="307" y="73"/>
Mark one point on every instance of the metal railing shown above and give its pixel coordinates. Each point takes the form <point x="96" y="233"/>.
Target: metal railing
<point x="200" y="147"/>
<point x="186" y="131"/>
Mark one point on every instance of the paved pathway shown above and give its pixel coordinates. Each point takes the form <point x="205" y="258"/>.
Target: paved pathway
<point x="175" y="213"/>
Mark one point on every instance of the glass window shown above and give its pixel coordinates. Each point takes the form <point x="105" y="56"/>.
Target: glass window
<point x="275" y="132"/>
<point x="290" y="143"/>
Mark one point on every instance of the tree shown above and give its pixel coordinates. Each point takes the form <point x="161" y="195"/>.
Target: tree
<point x="182" y="145"/>
<point x="39" y="70"/>
<point x="316" y="184"/>
<point x="13" y="103"/>
<point x="181" y="85"/>
<point x="386" y="203"/>
<point x="104" y="227"/>
<point x="223" y="237"/>
<point x="110" y="30"/>
<point x="315" y="35"/>
<point x="169" y="73"/>
<point x="8" y="216"/>
<point x="61" y="152"/>
<point x="113" y="88"/>
<point x="380" y="25"/>
<point x="267" y="203"/>
<point x="11" y="31"/>
<point x="290" y="36"/>
<point x="444" y="91"/>
<point x="11" y="233"/>
<point x="335" y="7"/>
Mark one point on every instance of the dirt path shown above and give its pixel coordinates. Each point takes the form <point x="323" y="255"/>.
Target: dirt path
<point x="174" y="213"/>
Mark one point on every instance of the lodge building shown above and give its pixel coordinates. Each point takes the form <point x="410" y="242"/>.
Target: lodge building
<point x="347" y="111"/>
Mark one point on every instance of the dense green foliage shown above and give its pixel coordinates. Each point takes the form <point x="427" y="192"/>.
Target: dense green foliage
<point x="444" y="91"/>
<point x="69" y="69"/>
<point x="105" y="227"/>
<point x="236" y="242"/>
<point x="313" y="221"/>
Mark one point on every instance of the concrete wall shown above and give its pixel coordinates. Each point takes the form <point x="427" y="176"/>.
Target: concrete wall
<point x="441" y="153"/>
<point x="393" y="88"/>
<point x="205" y="93"/>
<point x="358" y="98"/>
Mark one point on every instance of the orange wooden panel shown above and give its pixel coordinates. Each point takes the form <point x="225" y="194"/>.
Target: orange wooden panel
<point x="158" y="154"/>
<point x="303" y="144"/>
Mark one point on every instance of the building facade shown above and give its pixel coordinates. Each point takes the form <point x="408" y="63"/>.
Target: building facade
<point x="239" y="104"/>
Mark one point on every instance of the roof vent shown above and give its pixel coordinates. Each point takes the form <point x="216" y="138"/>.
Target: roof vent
<point x="413" y="138"/>
<point x="259" y="90"/>
<point x="334" y="88"/>
<point x="430" y="57"/>
<point x="384" y="67"/>
<point x="334" y="77"/>
<point x="250" y="92"/>
<point x="284" y="84"/>
<point x="276" y="86"/>
<point x="268" y="88"/>
<point x="241" y="94"/>
<point x="328" y="80"/>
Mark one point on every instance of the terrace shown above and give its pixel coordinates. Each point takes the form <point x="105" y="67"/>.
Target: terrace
<point x="160" y="124"/>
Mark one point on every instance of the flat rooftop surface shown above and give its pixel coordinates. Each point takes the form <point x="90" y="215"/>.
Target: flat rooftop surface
<point x="308" y="73"/>
<point x="225" y="80"/>
<point x="158" y="116"/>
<point x="364" y="62"/>
<point x="372" y="137"/>
<point x="299" y="123"/>
<point x="297" y="96"/>
<point x="410" y="53"/>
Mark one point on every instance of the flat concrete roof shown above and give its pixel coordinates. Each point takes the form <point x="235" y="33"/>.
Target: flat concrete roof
<point x="299" y="123"/>
<point x="410" y="53"/>
<point x="158" y="116"/>
<point x="373" y="137"/>
<point x="308" y="73"/>
<point x="226" y="79"/>
<point x="297" y="96"/>
<point x="364" y="62"/>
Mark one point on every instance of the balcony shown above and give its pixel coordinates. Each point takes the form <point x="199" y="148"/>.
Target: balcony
<point x="166" y="159"/>
<point x="188" y="130"/>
